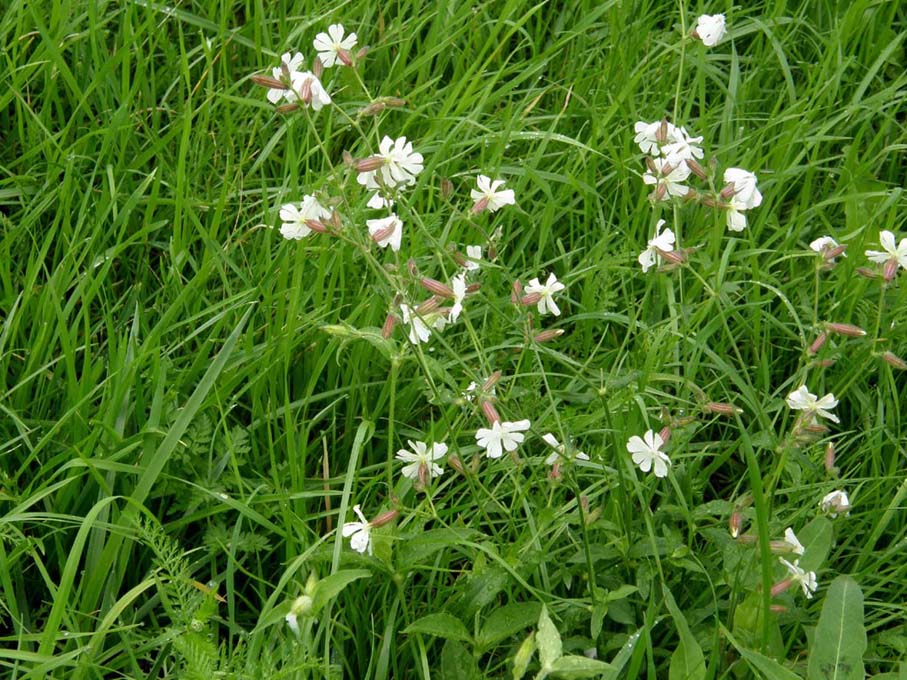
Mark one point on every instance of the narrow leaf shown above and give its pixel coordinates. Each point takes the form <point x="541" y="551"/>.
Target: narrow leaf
<point x="687" y="661"/>
<point x="549" y="640"/>
<point x="330" y="586"/>
<point x="572" y="666"/>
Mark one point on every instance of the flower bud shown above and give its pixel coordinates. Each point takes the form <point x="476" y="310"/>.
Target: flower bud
<point x="777" y="608"/>
<point x="825" y="363"/>
<point x="394" y="102"/>
<point x="661" y="135"/>
<point x="781" y="586"/>
<point x="317" y="226"/>
<point x="696" y="168"/>
<point x="335" y="219"/>
<point x="424" y="479"/>
<point x="674" y="257"/>
<point x="480" y="205"/>
<point x="447" y="187"/>
<point x="344" y="56"/>
<point x="372" y="109"/>
<point x="269" y="82"/>
<point x="388" y="327"/>
<point x="691" y="195"/>
<point x="490" y="412"/>
<point x="411" y="266"/>
<point x="746" y="539"/>
<point x="348" y="159"/>
<point x="287" y="108"/>
<point x="831" y="253"/>
<point x="436" y="287"/>
<point x="708" y="201"/>
<point x="429" y="306"/>
<point x="817" y="343"/>
<point x="360" y="55"/>
<point x="665" y="434"/>
<point x="473" y="288"/>
<point x="721" y="409"/>
<point x="369" y="164"/>
<point x="384" y="518"/>
<point x="305" y="91"/>
<point x="660" y="190"/>
<point x="846" y="329"/>
<point x="493" y="379"/>
<point x="382" y="234"/>
<point x="894" y="361"/>
<point x="830" y="458"/>
<point x="317" y="68"/>
<point x="454" y="461"/>
<point x="815" y="428"/>
<point x="735" y="523"/>
<point x="516" y="290"/>
<point x="531" y="299"/>
<point x="890" y="270"/>
<point x="555" y="473"/>
<point x="866" y="272"/>
<point x="650" y="164"/>
<point x="728" y="190"/>
<point x="549" y="335"/>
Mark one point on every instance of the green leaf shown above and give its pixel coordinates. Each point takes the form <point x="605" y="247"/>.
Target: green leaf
<point x="687" y="661"/>
<point x="330" y="586"/>
<point x="816" y="538"/>
<point x="506" y="621"/>
<point x="572" y="666"/>
<point x="457" y="663"/>
<point x="623" y="656"/>
<point x="419" y="548"/>
<point x="748" y="626"/>
<point x="840" y="638"/>
<point x="442" y="625"/>
<point x="523" y="656"/>
<point x="767" y="667"/>
<point x="549" y="641"/>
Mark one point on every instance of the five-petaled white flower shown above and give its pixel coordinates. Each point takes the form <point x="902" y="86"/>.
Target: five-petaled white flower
<point x="501" y="437"/>
<point x="294" y="218"/>
<point x="792" y="542"/>
<point x="488" y="195"/>
<point x="736" y="220"/>
<point x="422" y="455"/>
<point x="308" y="89"/>
<point x="400" y="165"/>
<point x="668" y="178"/>
<point x="291" y="62"/>
<point x="647" y="453"/>
<point x="806" y="579"/>
<point x="474" y="255"/>
<point x="681" y="146"/>
<point x="330" y="44"/>
<point x="560" y="450"/>
<point x="647" y="136"/>
<point x="388" y="231"/>
<point x="823" y="244"/>
<point x="662" y="241"/>
<point x="802" y="399"/>
<point x="546" y="302"/>
<point x="359" y="533"/>
<point x="835" y="503"/>
<point x="746" y="195"/>
<point x="458" y="286"/>
<point x="418" y="329"/>
<point x="890" y="251"/>
<point x="711" y="29"/>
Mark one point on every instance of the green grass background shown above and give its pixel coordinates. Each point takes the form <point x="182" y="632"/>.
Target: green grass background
<point x="170" y="406"/>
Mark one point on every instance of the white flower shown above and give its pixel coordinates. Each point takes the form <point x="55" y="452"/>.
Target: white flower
<point x="736" y="220"/>
<point x="835" y="503"/>
<point x="329" y="44"/>
<point x="546" y="301"/>
<point x="790" y="538"/>
<point x="806" y="579"/>
<point x="388" y="231"/>
<point x="474" y="253"/>
<point x="711" y="29"/>
<point x="560" y="450"/>
<point x="458" y="286"/>
<point x="890" y="250"/>
<point x="418" y="329"/>
<point x="422" y="456"/>
<point x="663" y="241"/>
<point x="647" y="453"/>
<point x="802" y="399"/>
<point x="671" y="181"/>
<point x="301" y="606"/>
<point x="824" y="243"/>
<point x="359" y="533"/>
<point x="681" y="146"/>
<point x="377" y="202"/>
<point x="501" y="437"/>
<point x="308" y="88"/>
<point x="746" y="195"/>
<point x="294" y="218"/>
<point x="401" y="165"/>
<point x="488" y="192"/>
<point x="647" y="136"/>
<point x="293" y="62"/>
